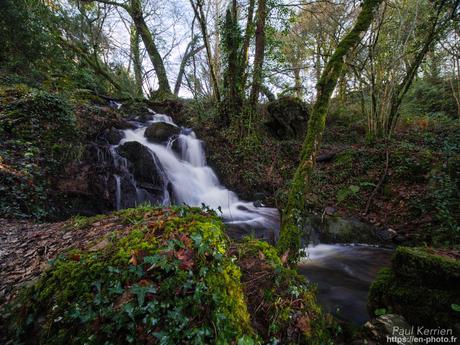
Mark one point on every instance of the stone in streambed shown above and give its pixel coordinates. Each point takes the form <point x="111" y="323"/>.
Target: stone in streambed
<point x="160" y="132"/>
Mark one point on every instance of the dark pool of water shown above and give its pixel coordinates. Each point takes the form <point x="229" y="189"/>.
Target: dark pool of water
<point x="343" y="274"/>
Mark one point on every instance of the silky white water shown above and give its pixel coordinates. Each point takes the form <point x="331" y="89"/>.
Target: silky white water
<point x="195" y="184"/>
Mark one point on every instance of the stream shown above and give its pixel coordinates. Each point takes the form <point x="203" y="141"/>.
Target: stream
<point x="343" y="273"/>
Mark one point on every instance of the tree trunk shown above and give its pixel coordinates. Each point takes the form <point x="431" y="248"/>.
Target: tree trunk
<point x="259" y="53"/>
<point x="190" y="51"/>
<point x="292" y="219"/>
<point x="136" y="59"/>
<point x="150" y="46"/>
<point x="199" y="13"/>
<point x="246" y="43"/>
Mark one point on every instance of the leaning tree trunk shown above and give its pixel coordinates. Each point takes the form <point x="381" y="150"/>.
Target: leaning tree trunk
<point x="259" y="53"/>
<point x="136" y="58"/>
<point x="291" y="226"/>
<point x="135" y="11"/>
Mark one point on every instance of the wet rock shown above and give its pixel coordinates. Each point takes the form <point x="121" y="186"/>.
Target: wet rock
<point x="144" y="164"/>
<point x="386" y="234"/>
<point x="258" y="203"/>
<point x="334" y="229"/>
<point x="113" y="135"/>
<point x="389" y="325"/>
<point x="239" y="231"/>
<point x="287" y="117"/>
<point x="160" y="132"/>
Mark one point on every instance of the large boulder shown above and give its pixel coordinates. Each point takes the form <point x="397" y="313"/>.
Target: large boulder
<point x="287" y="117"/>
<point x="335" y="229"/>
<point x="160" y="132"/>
<point x="144" y="165"/>
<point x="421" y="285"/>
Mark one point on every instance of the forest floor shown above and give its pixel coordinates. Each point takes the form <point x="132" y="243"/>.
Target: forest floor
<point x="26" y="248"/>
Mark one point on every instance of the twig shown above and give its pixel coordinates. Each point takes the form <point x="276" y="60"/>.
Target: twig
<point x="382" y="179"/>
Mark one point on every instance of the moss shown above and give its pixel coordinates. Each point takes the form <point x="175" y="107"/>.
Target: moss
<point x="417" y="275"/>
<point x="422" y="265"/>
<point x="281" y="302"/>
<point x="164" y="276"/>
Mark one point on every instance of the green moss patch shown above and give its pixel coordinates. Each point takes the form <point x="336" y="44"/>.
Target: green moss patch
<point x="421" y="286"/>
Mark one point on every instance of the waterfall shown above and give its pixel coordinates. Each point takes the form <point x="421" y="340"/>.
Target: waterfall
<point x="117" y="192"/>
<point x="193" y="182"/>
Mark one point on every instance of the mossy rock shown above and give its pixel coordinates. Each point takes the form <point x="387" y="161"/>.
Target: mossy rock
<point x="287" y="117"/>
<point x="334" y="229"/>
<point x="408" y="288"/>
<point x="164" y="276"/>
<point x="422" y="265"/>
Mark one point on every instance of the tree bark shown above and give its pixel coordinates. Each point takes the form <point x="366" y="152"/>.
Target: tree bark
<point x="246" y="43"/>
<point x="259" y="53"/>
<point x="135" y="11"/>
<point x="292" y="220"/>
<point x="199" y="13"/>
<point x="136" y="59"/>
<point x="150" y="46"/>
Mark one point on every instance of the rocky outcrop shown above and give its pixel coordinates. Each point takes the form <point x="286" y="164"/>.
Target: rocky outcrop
<point x="421" y="285"/>
<point x="287" y="117"/>
<point x="144" y="165"/>
<point x="160" y="132"/>
<point x="329" y="228"/>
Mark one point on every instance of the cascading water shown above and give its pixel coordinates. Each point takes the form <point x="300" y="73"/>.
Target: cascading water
<point x="193" y="182"/>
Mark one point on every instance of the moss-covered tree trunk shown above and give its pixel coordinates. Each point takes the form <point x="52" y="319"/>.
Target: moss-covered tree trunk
<point x="291" y="225"/>
<point x="136" y="59"/>
<point x="259" y="53"/>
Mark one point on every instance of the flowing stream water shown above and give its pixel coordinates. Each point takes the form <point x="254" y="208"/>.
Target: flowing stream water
<point x="343" y="273"/>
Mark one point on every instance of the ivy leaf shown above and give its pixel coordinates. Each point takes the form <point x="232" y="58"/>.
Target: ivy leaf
<point x="455" y="307"/>
<point x="245" y="340"/>
<point x="380" y="311"/>
<point x="197" y="238"/>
